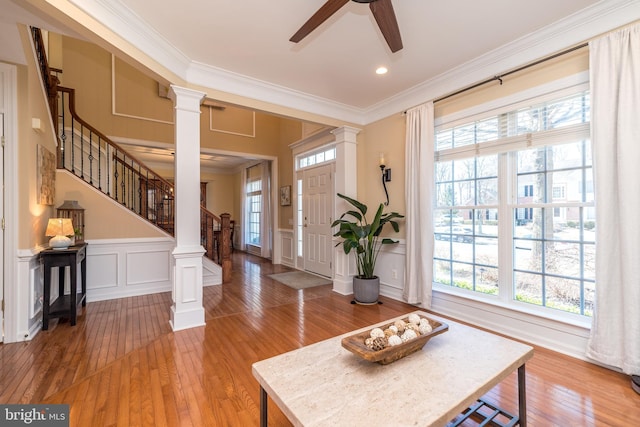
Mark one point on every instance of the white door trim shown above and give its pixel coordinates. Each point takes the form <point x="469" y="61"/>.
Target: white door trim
<point x="9" y="107"/>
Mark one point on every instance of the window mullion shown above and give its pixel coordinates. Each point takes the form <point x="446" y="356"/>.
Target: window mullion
<point x="506" y="186"/>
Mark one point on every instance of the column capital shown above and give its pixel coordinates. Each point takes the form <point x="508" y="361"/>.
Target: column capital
<point x="346" y="134"/>
<point x="185" y="98"/>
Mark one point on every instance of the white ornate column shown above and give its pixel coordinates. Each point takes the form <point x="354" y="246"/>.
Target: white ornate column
<point x="187" y="310"/>
<point x="346" y="182"/>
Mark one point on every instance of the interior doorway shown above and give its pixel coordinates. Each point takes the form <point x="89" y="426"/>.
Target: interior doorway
<point x="317" y="208"/>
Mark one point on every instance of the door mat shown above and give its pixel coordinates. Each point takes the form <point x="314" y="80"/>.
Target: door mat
<point x="299" y="279"/>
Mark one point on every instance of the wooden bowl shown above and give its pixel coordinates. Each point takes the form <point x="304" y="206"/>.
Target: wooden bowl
<point x="355" y="343"/>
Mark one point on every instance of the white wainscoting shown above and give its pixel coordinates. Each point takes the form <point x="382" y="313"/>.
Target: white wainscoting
<point x="389" y="267"/>
<point x="121" y="268"/>
<point x="116" y="268"/>
<point x="287" y="244"/>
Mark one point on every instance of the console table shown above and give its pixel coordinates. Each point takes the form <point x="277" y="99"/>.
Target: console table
<point x="442" y="384"/>
<point x="65" y="305"/>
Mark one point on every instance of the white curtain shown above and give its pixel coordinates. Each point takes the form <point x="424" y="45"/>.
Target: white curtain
<point x="243" y="211"/>
<point x="419" y="163"/>
<point x="266" y="235"/>
<point x="615" y="135"/>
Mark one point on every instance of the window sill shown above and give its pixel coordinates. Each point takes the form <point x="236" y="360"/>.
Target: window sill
<point x="535" y="314"/>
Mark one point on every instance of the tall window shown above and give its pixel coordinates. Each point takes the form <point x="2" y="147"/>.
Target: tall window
<point x="254" y="205"/>
<point x="514" y="218"/>
<point x="300" y="222"/>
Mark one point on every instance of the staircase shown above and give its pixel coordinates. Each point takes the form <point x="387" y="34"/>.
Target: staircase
<point x="93" y="157"/>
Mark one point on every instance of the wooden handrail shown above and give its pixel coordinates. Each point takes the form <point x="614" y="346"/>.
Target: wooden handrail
<point x="84" y="123"/>
<point x="141" y="188"/>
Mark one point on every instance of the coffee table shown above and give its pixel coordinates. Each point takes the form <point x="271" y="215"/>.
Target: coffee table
<point x="441" y="384"/>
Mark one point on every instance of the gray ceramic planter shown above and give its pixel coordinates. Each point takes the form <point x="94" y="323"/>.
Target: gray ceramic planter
<point x="366" y="291"/>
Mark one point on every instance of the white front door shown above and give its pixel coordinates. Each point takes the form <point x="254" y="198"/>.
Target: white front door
<point x="317" y="194"/>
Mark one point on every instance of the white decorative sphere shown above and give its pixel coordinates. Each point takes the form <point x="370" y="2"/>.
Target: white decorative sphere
<point x="376" y="333"/>
<point x="409" y="334"/>
<point x="424" y="328"/>
<point x="414" y="318"/>
<point x="394" y="340"/>
<point x="400" y="324"/>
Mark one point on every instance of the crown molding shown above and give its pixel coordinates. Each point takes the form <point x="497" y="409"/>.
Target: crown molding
<point x="126" y="24"/>
<point x="592" y="21"/>
<point x="238" y="84"/>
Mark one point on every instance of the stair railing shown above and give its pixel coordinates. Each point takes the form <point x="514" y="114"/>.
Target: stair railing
<point x="96" y="159"/>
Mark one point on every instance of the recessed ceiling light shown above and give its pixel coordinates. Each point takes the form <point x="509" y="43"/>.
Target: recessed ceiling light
<point x="381" y="70"/>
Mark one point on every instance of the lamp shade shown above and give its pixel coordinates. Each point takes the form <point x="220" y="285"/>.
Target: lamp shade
<point x="59" y="228"/>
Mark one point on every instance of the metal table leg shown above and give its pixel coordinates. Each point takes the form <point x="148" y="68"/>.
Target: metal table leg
<point x="263" y="407"/>
<point x="522" y="396"/>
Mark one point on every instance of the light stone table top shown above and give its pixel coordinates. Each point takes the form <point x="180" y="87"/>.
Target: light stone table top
<point x="324" y="384"/>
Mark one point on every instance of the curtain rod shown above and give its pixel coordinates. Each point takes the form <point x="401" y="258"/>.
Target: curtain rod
<point x="524" y="67"/>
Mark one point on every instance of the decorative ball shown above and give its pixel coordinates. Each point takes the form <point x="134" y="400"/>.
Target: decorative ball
<point x="369" y="342"/>
<point x="379" y="343"/>
<point x="389" y="332"/>
<point x="376" y="332"/>
<point x="409" y="334"/>
<point x="394" y="340"/>
<point x="394" y="328"/>
<point x="411" y="326"/>
<point x="400" y="324"/>
<point x="414" y="318"/>
<point x="424" y="320"/>
<point x="425" y="328"/>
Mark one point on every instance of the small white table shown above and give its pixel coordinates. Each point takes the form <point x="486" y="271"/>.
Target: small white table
<point x="324" y="384"/>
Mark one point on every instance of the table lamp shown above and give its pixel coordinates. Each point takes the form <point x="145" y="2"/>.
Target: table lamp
<point x="59" y="228"/>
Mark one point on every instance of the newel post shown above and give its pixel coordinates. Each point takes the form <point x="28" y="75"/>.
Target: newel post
<point x="225" y="218"/>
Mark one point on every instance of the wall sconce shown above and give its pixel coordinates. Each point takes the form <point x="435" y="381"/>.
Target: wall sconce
<point x="59" y="228"/>
<point x="386" y="176"/>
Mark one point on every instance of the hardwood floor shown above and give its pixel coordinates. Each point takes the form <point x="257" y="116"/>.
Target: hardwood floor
<point x="122" y="365"/>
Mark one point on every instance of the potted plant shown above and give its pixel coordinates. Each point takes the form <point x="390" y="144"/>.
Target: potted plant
<point x="363" y="237"/>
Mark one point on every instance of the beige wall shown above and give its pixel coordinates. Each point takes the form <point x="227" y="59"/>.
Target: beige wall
<point x="136" y="111"/>
<point x="290" y="131"/>
<point x="220" y="195"/>
<point x="384" y="136"/>
<point x="103" y="218"/>
<point x="388" y="135"/>
<point x="554" y="69"/>
<point x="33" y="216"/>
<point x="139" y="111"/>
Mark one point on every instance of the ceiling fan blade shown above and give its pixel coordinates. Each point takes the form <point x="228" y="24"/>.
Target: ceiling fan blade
<point x="386" y="19"/>
<point x="328" y="9"/>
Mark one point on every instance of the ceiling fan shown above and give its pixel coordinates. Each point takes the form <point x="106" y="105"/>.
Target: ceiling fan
<point x="382" y="11"/>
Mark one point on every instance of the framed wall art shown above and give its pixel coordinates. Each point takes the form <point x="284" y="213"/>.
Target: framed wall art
<point x="285" y="195"/>
<point x="46" y="176"/>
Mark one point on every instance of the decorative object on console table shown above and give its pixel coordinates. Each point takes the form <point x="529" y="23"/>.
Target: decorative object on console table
<point x="285" y="195"/>
<point x="364" y="238"/>
<point x="71" y="209"/>
<point x="58" y="229"/>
